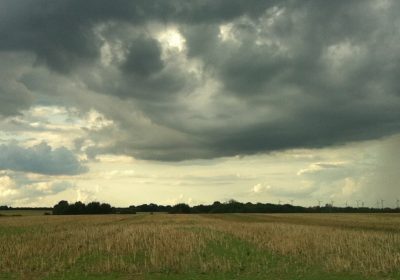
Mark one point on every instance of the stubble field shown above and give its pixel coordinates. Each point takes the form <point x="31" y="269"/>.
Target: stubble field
<point x="218" y="246"/>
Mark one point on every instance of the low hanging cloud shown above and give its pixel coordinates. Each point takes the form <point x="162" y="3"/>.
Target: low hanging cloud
<point x="41" y="159"/>
<point x="15" y="188"/>
<point x="245" y="77"/>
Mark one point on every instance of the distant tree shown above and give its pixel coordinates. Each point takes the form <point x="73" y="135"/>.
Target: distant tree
<point x="180" y="208"/>
<point x="130" y="210"/>
<point x="79" y="208"/>
<point x="149" y="208"/>
<point x="93" y="208"/>
<point x="216" y="204"/>
<point x="233" y="206"/>
<point x="61" y="208"/>
<point x="106" y="208"/>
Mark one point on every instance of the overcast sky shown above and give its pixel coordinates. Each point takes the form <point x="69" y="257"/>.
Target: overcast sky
<point x="168" y="101"/>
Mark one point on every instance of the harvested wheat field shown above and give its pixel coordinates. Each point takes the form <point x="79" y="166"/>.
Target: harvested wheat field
<point x="223" y="246"/>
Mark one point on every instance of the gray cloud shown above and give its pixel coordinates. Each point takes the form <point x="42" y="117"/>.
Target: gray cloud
<point x="61" y="33"/>
<point x="14" y="96"/>
<point x="59" y="37"/>
<point x="255" y="76"/>
<point x="144" y="57"/>
<point x="18" y="189"/>
<point x="40" y="159"/>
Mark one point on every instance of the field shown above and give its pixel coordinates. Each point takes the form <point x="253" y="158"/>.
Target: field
<point x="226" y="246"/>
<point x="23" y="212"/>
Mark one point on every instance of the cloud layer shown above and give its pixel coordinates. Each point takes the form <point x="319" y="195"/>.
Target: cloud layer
<point x="41" y="159"/>
<point x="204" y="79"/>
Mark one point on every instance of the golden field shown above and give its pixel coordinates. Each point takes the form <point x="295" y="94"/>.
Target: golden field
<point x="214" y="246"/>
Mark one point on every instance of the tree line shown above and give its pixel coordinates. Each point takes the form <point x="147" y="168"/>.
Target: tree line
<point x="79" y="208"/>
<point x="232" y="206"/>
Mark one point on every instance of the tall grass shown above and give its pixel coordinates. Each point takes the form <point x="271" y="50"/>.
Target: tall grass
<point x="368" y="245"/>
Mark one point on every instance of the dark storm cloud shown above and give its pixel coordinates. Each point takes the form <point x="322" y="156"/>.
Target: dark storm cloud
<point x="58" y="35"/>
<point x="294" y="46"/>
<point x="40" y="159"/>
<point x="144" y="57"/>
<point x="255" y="76"/>
<point x="61" y="33"/>
<point x="145" y="75"/>
<point x="14" y="96"/>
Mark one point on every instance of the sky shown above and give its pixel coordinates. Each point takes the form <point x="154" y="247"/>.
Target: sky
<point x="175" y="101"/>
